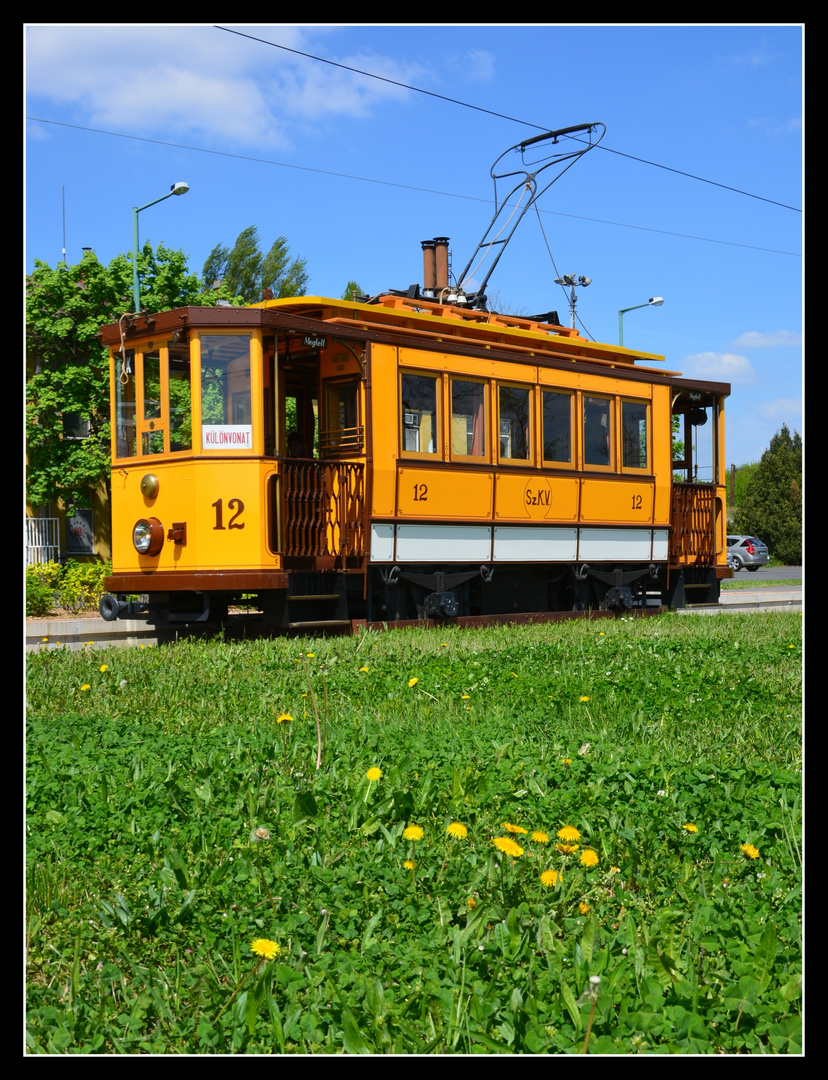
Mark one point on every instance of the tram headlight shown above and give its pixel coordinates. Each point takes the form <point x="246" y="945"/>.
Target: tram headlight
<point x="148" y="536"/>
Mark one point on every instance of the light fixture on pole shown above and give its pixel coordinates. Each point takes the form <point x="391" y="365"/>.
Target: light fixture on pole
<point x="654" y="301"/>
<point x="179" y="188"/>
<point x="572" y="282"/>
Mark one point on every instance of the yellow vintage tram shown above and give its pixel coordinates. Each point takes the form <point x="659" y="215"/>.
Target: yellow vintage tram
<point x="443" y="463"/>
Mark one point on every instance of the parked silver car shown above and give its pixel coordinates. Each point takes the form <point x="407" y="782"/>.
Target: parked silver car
<point x="746" y="551"/>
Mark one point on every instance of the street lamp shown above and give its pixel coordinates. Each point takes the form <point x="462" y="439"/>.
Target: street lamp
<point x="179" y="188"/>
<point x="654" y="301"/>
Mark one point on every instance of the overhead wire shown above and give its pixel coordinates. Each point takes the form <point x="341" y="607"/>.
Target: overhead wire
<point x="501" y="116"/>
<point x="394" y="183"/>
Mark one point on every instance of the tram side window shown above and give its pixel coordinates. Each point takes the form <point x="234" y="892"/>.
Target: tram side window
<point x="468" y="418"/>
<point x="225" y="392"/>
<point x="125" y="445"/>
<point x="557" y="427"/>
<point x="514" y="412"/>
<point x="597" y="431"/>
<point x="634" y="434"/>
<point x="418" y="396"/>
<point x="152" y="441"/>
<point x="180" y="401"/>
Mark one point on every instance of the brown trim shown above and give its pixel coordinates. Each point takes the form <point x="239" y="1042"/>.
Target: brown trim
<point x="432" y="340"/>
<point x="201" y="581"/>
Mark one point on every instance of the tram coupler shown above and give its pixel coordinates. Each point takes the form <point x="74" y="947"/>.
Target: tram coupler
<point x="111" y="608"/>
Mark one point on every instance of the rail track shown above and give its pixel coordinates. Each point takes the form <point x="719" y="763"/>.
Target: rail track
<point x="79" y="633"/>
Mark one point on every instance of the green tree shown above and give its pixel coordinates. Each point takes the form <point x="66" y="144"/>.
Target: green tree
<point x="68" y="370"/>
<point x="352" y="290"/>
<point x="771" y="507"/>
<point x="246" y="272"/>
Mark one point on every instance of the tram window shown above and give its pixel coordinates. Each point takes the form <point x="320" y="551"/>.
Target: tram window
<point x="514" y="412"/>
<point x="343" y="431"/>
<point x="152" y="385"/>
<point x="634" y="434"/>
<point x="597" y="431"/>
<point x="468" y="418"/>
<point x="225" y="392"/>
<point x="418" y="397"/>
<point x="557" y="427"/>
<point x="180" y="401"/>
<point x="125" y="443"/>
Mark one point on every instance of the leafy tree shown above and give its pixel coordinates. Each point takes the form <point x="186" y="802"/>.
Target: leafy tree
<point x="246" y="272"/>
<point x="771" y="506"/>
<point x="352" y="290"/>
<point x="68" y="370"/>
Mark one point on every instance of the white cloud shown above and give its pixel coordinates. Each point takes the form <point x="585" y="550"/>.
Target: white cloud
<point x="787" y="409"/>
<point x="167" y="80"/>
<point x="754" y="339"/>
<point x="719" y="367"/>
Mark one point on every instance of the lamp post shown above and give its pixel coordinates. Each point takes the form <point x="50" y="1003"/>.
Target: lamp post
<point x="654" y="301"/>
<point x="179" y="188"/>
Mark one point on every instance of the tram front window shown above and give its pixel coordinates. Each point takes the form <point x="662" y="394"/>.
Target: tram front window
<point x="225" y="392"/>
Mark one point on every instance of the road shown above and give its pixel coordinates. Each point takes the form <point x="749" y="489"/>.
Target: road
<point x="769" y="573"/>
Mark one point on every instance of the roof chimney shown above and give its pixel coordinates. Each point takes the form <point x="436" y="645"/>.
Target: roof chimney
<point x="429" y="266"/>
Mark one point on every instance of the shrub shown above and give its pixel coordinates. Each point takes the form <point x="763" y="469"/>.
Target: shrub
<point x="74" y="587"/>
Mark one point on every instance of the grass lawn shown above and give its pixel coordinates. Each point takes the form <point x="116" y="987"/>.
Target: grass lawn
<point x="536" y="840"/>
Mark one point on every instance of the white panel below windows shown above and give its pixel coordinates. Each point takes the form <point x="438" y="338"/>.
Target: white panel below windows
<point x="538" y="544"/>
<point x="615" y="545"/>
<point x="515" y="544"/>
<point x="660" y="539"/>
<point x="382" y="543"/>
<point x="444" y="543"/>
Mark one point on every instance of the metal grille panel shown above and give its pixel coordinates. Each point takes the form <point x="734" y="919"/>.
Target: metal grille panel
<point x="323" y="509"/>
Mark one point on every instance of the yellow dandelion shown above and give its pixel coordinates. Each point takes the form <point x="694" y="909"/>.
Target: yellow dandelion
<point x="690" y="827"/>
<point x="413" y="682"/>
<point x="46" y="639"/>
<point x="566" y="761"/>
<point x="265" y="947"/>
<point x="465" y="697"/>
<point x="471" y="903"/>
<point x="310" y="655"/>
<point x="103" y="667"/>
<point x="373" y="774"/>
<point x="409" y="864"/>
<point x="86" y="686"/>
<point x="589" y="858"/>
<point x="363" y="669"/>
<point x="583" y="697"/>
<point x="567" y="849"/>
<point x="750" y="851"/>
<point x="568" y="832"/>
<point x="583" y="908"/>
<point x="514" y="673"/>
<point x="540" y="837"/>
<point x="284" y="718"/>
<point x="513" y="828"/>
<point x="550" y="878"/>
<point x="457" y="830"/>
<point x="413" y="832"/>
<point x="508" y="846"/>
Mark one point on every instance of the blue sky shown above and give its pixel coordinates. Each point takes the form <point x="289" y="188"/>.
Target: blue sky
<point x="355" y="171"/>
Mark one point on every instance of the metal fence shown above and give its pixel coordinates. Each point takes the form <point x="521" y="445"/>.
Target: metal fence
<point x="42" y="540"/>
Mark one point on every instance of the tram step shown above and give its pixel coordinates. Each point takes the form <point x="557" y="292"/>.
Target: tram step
<point x="318" y="624"/>
<point x="313" y="596"/>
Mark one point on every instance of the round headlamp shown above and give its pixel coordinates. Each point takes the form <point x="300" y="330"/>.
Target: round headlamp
<point x="148" y="536"/>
